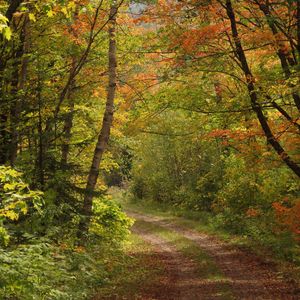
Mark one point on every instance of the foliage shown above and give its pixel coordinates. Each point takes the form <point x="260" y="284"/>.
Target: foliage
<point x="36" y="267"/>
<point x="205" y="176"/>
<point x="4" y="28"/>
<point x="42" y="271"/>
<point x="219" y="132"/>
<point x="109" y="222"/>
<point x="16" y="199"/>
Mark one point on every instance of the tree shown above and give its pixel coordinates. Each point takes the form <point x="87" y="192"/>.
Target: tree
<point x="253" y="94"/>
<point x="104" y="134"/>
<point x="213" y="38"/>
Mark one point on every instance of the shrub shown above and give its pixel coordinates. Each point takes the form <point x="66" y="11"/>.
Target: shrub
<point x="16" y="199"/>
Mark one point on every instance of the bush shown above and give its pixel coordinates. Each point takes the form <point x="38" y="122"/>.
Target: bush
<point x="42" y="271"/>
<point x="109" y="223"/>
<point x="16" y="200"/>
<point x="42" y="261"/>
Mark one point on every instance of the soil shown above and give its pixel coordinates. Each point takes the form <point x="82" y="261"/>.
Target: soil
<point x="248" y="276"/>
<point x="180" y="280"/>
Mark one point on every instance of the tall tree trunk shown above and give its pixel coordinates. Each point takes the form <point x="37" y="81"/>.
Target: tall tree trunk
<point x="298" y="27"/>
<point x="253" y="95"/>
<point x="105" y="130"/>
<point x="17" y="83"/>
<point x="283" y="57"/>
<point x="68" y="124"/>
<point x="4" y="114"/>
<point x="12" y="8"/>
<point x="4" y="138"/>
<point x="65" y="148"/>
<point x="42" y="139"/>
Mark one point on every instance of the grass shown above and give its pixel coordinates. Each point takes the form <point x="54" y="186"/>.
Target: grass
<point x="205" y="266"/>
<point x="203" y="222"/>
<point x="197" y="220"/>
<point x="138" y="270"/>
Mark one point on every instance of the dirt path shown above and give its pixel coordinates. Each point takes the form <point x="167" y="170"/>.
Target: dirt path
<point x="181" y="280"/>
<point x="247" y="275"/>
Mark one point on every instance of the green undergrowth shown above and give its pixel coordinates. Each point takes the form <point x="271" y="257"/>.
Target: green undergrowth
<point x="43" y="271"/>
<point x="205" y="266"/>
<point x="41" y="257"/>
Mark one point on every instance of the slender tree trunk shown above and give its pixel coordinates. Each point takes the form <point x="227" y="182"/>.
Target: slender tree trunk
<point x="3" y="138"/>
<point x="68" y="123"/>
<point x="17" y="83"/>
<point x="283" y="57"/>
<point x="105" y="130"/>
<point x="40" y="160"/>
<point x="65" y="148"/>
<point x="12" y="8"/>
<point x="42" y="140"/>
<point x="298" y="27"/>
<point x="4" y="114"/>
<point x="283" y="112"/>
<point x="286" y="115"/>
<point x="253" y="95"/>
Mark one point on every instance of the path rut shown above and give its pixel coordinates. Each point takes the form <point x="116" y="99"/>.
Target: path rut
<point x="248" y="276"/>
<point x="181" y="280"/>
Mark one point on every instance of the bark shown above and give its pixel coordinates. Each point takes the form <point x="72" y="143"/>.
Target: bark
<point x="12" y="8"/>
<point x="253" y="95"/>
<point x="283" y="57"/>
<point x="298" y="27"/>
<point x="105" y="130"/>
<point x="65" y="148"/>
<point x="4" y="138"/>
<point x="40" y="160"/>
<point x="4" y="115"/>
<point x="68" y="124"/>
<point x="10" y="117"/>
<point x="285" y="114"/>
<point x="17" y="83"/>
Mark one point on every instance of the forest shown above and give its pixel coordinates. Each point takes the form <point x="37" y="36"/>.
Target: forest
<point x="149" y="149"/>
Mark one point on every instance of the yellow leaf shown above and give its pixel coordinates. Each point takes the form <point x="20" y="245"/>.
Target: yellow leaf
<point x="72" y="5"/>
<point x="50" y="13"/>
<point x="32" y="17"/>
<point x="7" y="33"/>
<point x="64" y="11"/>
<point x="9" y="214"/>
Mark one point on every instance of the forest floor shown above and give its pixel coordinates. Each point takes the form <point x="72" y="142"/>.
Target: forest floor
<point x="229" y="273"/>
<point x="183" y="263"/>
